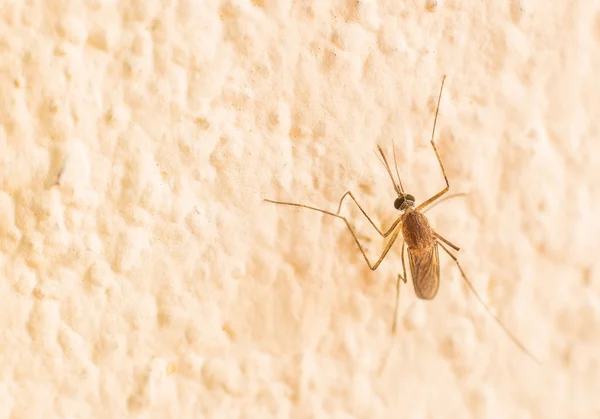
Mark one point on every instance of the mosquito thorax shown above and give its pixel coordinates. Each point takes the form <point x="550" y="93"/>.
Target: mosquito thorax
<point x="404" y="202"/>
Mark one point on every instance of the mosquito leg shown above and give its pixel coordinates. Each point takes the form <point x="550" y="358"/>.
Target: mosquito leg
<point x="394" y="323"/>
<point x="515" y="340"/>
<point x="360" y="247"/>
<point x="455" y="247"/>
<point x="443" y="191"/>
<point x="403" y="278"/>
<point x="403" y="264"/>
<point x="387" y="233"/>
<point x="387" y="248"/>
<point x="293" y="204"/>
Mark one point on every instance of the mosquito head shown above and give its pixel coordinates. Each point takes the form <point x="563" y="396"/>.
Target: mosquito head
<point x="404" y="202"/>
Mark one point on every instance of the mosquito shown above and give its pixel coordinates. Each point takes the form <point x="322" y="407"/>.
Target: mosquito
<point x="422" y="242"/>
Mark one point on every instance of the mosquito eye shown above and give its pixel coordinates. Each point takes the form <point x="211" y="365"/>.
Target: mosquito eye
<point x="398" y="203"/>
<point x="410" y="198"/>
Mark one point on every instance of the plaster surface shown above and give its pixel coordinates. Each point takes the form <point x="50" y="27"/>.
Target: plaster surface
<point x="142" y="274"/>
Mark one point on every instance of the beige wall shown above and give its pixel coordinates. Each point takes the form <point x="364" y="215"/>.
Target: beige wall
<point x="142" y="275"/>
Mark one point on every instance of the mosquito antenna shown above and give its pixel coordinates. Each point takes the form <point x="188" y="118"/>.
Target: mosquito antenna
<point x="396" y="165"/>
<point x="379" y="157"/>
<point x="384" y="164"/>
<point x="387" y="167"/>
<point x="437" y="110"/>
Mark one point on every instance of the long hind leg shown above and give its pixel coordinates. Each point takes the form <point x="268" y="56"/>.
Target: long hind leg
<point x="512" y="337"/>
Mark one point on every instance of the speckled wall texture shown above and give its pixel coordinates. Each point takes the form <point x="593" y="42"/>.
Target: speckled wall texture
<point x="143" y="275"/>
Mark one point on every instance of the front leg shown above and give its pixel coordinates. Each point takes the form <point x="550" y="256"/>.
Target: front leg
<point x="382" y="234"/>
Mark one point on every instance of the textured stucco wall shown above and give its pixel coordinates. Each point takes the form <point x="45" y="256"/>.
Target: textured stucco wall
<point x="142" y="275"/>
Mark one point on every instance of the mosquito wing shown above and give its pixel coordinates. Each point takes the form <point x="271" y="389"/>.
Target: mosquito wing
<point x="425" y="272"/>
